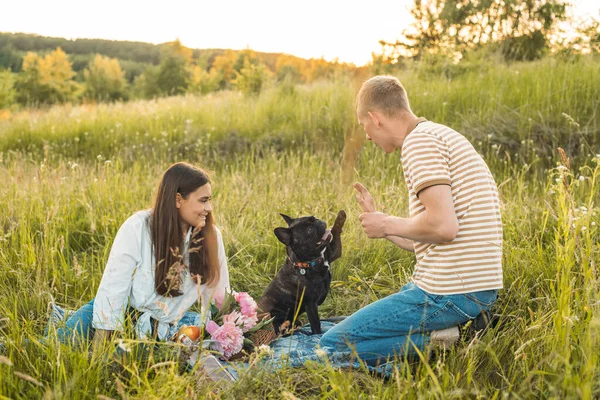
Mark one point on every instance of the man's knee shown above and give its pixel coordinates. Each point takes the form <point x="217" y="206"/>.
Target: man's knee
<point x="332" y="340"/>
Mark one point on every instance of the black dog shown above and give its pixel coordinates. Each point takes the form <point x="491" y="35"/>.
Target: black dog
<point x="303" y="282"/>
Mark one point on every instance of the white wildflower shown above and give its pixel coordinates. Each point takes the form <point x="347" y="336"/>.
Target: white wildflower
<point x="320" y="353"/>
<point x="123" y="346"/>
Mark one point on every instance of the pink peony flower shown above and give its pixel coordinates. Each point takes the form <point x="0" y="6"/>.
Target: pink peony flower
<point x="218" y="298"/>
<point x="234" y="317"/>
<point x="249" y="321"/>
<point x="243" y="321"/>
<point x="211" y="327"/>
<point x="227" y="339"/>
<point x="247" y="304"/>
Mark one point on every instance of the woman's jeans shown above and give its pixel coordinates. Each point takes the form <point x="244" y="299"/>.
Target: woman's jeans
<point x="396" y="324"/>
<point x="78" y="325"/>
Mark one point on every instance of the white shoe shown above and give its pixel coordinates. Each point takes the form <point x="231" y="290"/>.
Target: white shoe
<point x="445" y="338"/>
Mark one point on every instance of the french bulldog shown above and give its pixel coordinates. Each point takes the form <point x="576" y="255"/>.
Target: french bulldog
<point x="303" y="281"/>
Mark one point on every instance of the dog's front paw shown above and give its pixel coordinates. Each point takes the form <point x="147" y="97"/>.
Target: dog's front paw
<point x="339" y="222"/>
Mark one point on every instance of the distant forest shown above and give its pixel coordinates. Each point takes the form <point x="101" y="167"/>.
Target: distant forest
<point x="134" y="57"/>
<point x="37" y="71"/>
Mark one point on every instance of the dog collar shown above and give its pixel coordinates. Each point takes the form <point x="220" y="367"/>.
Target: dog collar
<point x="304" y="265"/>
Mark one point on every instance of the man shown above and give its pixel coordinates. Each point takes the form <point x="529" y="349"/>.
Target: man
<point x="454" y="229"/>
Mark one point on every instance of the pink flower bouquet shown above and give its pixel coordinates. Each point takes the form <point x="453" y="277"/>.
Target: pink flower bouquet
<point x="234" y="324"/>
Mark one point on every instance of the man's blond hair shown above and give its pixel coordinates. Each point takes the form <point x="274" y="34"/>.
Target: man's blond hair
<point x="382" y="93"/>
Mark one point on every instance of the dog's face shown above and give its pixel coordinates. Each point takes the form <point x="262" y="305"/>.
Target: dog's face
<point x="307" y="237"/>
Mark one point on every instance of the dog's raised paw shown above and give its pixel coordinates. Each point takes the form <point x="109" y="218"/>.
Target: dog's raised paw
<point x="339" y="222"/>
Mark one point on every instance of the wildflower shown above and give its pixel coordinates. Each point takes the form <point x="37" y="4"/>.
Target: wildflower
<point x="123" y="346"/>
<point x="264" y="349"/>
<point x="320" y="353"/>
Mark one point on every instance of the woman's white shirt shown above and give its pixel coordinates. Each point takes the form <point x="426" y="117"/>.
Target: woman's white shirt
<point x="128" y="281"/>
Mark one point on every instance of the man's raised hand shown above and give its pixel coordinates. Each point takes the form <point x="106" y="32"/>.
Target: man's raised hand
<point x="364" y="198"/>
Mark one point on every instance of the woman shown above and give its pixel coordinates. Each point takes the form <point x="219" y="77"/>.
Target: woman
<point x="161" y="262"/>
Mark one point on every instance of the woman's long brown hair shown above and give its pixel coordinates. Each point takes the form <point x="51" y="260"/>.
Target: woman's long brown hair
<point x="168" y="240"/>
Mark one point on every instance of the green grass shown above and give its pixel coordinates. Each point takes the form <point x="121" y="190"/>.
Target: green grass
<point x="293" y="150"/>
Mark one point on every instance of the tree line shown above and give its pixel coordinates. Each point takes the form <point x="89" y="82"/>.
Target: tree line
<point x="515" y="30"/>
<point x="36" y="70"/>
<point x="50" y="77"/>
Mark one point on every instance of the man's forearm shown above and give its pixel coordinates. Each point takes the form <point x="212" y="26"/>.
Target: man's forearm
<point x="405" y="244"/>
<point x="421" y="228"/>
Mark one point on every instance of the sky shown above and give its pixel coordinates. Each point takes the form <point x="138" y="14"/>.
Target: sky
<point x="347" y="30"/>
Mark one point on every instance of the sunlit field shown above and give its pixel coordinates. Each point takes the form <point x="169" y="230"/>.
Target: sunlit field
<point x="71" y="175"/>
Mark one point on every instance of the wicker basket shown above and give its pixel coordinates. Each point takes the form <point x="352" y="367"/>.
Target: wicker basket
<point x="261" y="337"/>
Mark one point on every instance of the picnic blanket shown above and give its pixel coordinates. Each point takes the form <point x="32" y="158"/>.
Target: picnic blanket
<point x="301" y="347"/>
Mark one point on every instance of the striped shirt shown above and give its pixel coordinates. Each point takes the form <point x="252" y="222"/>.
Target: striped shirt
<point x="433" y="154"/>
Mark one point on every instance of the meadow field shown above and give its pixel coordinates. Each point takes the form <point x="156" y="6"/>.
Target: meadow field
<point x="71" y="175"/>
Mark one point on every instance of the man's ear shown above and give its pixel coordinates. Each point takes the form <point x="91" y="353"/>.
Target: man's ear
<point x="178" y="200"/>
<point x="284" y="235"/>
<point x="375" y="118"/>
<point x="287" y="219"/>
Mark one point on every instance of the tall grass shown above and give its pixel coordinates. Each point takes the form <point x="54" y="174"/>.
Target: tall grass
<point x="62" y="201"/>
<point x="524" y="110"/>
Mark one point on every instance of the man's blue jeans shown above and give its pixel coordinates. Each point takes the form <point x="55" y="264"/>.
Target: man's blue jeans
<point x="383" y="329"/>
<point x="78" y="325"/>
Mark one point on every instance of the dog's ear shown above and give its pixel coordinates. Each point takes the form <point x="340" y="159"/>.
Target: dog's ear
<point x="289" y="220"/>
<point x="284" y="235"/>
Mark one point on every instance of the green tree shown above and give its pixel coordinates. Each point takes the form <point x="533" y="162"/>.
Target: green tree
<point x="144" y="85"/>
<point x="252" y="78"/>
<point x="244" y="56"/>
<point x="10" y="58"/>
<point x="452" y="27"/>
<point x="28" y="85"/>
<point x="204" y="82"/>
<point x="174" y="73"/>
<point x="223" y="66"/>
<point x="7" y="90"/>
<point x="104" y="79"/>
<point x="46" y="80"/>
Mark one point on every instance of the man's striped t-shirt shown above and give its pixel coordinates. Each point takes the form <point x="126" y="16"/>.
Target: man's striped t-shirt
<point x="433" y="154"/>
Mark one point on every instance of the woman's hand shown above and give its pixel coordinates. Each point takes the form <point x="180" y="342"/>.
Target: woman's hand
<point x="100" y="337"/>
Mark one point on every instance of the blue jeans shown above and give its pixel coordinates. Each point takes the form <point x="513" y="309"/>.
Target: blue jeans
<point x="383" y="329"/>
<point x="78" y="325"/>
